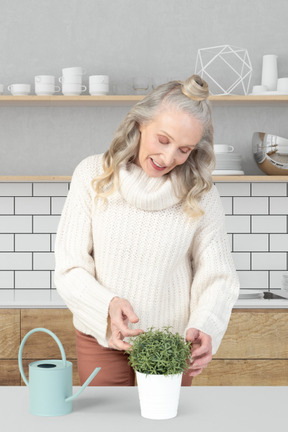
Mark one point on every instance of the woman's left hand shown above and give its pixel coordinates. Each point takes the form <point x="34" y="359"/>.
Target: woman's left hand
<point x="201" y="350"/>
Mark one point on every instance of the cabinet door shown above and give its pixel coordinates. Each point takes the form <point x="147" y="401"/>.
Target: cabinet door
<point x="41" y="345"/>
<point x="257" y="334"/>
<point x="254" y="351"/>
<point x="9" y="345"/>
<point x="244" y="373"/>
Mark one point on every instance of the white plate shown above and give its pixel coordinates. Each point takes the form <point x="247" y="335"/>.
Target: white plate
<point x="227" y="172"/>
<point x="250" y="294"/>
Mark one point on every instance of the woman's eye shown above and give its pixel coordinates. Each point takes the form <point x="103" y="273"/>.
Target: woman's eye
<point x="163" y="140"/>
<point x="185" y="151"/>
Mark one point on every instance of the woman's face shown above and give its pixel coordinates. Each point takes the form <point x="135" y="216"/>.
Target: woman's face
<point x="167" y="141"/>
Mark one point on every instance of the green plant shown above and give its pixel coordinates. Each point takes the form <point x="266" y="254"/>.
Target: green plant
<point x="159" y="352"/>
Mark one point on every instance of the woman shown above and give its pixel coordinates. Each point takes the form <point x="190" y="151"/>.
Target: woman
<point x="141" y="240"/>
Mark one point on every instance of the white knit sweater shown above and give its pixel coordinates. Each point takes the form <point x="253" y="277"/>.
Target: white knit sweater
<point x="142" y="247"/>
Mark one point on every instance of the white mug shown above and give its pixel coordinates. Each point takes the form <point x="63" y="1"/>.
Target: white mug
<point x="223" y="148"/>
<point x="71" y="79"/>
<point x="73" y="89"/>
<point x="282" y="85"/>
<point x="98" y="89"/>
<point x="98" y="79"/>
<point x="73" y="71"/>
<point x="46" y="89"/>
<point x="45" y="79"/>
<point x="19" y="89"/>
<point x="1" y="88"/>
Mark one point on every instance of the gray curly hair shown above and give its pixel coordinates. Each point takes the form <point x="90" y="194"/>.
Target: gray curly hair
<point x="195" y="175"/>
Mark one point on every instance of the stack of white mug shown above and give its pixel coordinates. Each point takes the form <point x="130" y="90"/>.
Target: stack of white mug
<point x="45" y="85"/>
<point x="71" y="81"/>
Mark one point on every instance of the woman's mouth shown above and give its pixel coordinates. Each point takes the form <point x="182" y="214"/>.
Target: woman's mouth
<point x="156" y="166"/>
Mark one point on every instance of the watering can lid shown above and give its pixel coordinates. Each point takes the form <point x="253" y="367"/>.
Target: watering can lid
<point x="50" y="364"/>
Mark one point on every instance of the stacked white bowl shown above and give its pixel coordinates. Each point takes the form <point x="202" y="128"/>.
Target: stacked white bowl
<point x="227" y="162"/>
<point x="71" y="81"/>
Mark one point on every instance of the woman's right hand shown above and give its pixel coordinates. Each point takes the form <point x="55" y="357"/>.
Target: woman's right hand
<point x="120" y="313"/>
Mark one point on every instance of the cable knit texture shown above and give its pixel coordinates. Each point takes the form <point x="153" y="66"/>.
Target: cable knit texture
<point x="141" y="246"/>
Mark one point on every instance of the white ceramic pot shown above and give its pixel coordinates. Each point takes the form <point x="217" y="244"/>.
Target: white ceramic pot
<point x="158" y="395"/>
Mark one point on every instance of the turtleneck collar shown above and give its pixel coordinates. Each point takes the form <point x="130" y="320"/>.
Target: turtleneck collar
<point x="145" y="192"/>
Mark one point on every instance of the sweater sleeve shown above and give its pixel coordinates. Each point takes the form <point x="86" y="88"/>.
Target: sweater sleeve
<point x="215" y="285"/>
<point x="75" y="274"/>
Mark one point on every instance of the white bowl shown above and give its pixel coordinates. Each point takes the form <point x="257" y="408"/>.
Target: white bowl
<point x="223" y="148"/>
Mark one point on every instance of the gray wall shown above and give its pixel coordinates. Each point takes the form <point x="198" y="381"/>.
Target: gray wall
<point x="125" y="38"/>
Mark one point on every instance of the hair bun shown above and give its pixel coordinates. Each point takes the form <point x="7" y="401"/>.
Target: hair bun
<point x="195" y="88"/>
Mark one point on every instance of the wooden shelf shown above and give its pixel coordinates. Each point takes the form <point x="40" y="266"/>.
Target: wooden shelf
<point x="35" y="178"/>
<point x="250" y="98"/>
<point x="251" y="178"/>
<point x="56" y="178"/>
<point x="126" y="100"/>
<point x="85" y="100"/>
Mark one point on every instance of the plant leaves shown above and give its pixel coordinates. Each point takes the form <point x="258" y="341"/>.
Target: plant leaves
<point x="159" y="352"/>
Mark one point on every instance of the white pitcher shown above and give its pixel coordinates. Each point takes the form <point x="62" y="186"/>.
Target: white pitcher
<point x="270" y="71"/>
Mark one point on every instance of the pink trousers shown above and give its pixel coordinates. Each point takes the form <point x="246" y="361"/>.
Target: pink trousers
<point x="115" y="369"/>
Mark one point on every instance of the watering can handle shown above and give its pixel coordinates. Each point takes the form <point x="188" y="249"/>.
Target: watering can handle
<point x="23" y="343"/>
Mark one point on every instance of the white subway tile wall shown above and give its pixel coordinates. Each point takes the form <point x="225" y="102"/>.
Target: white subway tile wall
<point x="256" y="224"/>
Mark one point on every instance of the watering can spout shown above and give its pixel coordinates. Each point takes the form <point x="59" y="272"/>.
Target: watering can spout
<point x="89" y="379"/>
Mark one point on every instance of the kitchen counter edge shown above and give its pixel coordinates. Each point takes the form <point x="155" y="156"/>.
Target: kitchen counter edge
<point x="240" y="304"/>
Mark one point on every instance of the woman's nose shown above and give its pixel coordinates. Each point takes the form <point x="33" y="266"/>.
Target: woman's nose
<point x="168" y="157"/>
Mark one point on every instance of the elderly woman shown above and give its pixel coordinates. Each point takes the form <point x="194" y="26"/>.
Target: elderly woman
<point x="141" y="240"/>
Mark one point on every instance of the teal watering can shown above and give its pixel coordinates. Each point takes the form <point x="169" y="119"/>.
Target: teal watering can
<point x="50" y="382"/>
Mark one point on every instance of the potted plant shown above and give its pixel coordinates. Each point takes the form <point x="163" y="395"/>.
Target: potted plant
<point x="159" y="358"/>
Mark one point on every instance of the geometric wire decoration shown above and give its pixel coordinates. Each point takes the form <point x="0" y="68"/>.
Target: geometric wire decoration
<point x="227" y="69"/>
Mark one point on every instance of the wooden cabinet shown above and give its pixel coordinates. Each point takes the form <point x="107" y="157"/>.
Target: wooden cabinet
<point x="9" y="345"/>
<point x="16" y="323"/>
<point x="254" y="350"/>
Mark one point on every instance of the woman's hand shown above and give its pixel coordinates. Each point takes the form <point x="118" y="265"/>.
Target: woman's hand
<point x="120" y="313"/>
<point x="201" y="350"/>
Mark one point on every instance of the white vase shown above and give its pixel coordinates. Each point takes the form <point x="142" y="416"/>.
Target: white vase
<point x="270" y="72"/>
<point x="159" y="395"/>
